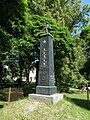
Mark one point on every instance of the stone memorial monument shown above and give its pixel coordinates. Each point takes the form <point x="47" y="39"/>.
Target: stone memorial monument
<point x="46" y="79"/>
<point x="46" y="89"/>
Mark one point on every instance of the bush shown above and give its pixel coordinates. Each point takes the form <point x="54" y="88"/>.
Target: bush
<point x="2" y="95"/>
<point x="27" y="89"/>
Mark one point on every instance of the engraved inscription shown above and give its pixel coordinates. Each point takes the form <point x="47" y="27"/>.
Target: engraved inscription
<point x="43" y="78"/>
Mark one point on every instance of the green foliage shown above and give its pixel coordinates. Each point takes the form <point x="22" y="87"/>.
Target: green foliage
<point x="63" y="49"/>
<point x="78" y="62"/>
<point x="11" y="11"/>
<point x="2" y="95"/>
<point x="85" y="36"/>
<point x="15" y="21"/>
<point x="21" y="36"/>
<point x="5" y="43"/>
<point x="27" y="89"/>
<point x="67" y="12"/>
<point x="5" y="46"/>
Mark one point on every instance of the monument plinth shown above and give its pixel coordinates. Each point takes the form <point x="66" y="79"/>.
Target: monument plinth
<point x="46" y="79"/>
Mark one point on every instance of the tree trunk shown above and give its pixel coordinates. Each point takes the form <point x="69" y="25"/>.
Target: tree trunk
<point x="27" y="76"/>
<point x="1" y="71"/>
<point x="20" y="78"/>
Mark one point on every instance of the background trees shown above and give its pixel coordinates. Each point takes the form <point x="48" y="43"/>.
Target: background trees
<point x="67" y="59"/>
<point x="21" y="25"/>
<point x="15" y="22"/>
<point x="66" y="12"/>
<point x="5" y="46"/>
<point x="85" y="36"/>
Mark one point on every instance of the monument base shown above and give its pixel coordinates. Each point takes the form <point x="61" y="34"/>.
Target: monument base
<point x="46" y="98"/>
<point x="46" y="90"/>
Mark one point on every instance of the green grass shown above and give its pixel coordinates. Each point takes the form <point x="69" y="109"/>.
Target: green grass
<point x="73" y="107"/>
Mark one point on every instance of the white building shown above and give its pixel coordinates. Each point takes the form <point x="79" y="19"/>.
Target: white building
<point x="32" y="75"/>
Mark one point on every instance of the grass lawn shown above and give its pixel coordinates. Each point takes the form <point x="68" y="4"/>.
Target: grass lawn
<point x="73" y="107"/>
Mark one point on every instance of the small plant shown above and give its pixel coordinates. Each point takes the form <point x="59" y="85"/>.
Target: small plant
<point x="2" y="95"/>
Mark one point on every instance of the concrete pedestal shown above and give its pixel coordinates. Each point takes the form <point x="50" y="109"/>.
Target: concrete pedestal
<point x="46" y="98"/>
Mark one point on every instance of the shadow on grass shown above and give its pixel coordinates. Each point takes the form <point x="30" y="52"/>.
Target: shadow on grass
<point x="2" y="96"/>
<point x="80" y="102"/>
<point x="1" y="106"/>
<point x="72" y="92"/>
<point x="75" y="91"/>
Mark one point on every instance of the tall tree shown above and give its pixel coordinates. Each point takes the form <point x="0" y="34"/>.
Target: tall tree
<point x="85" y="36"/>
<point x="12" y="11"/>
<point x="67" y="12"/>
<point x="5" y="46"/>
<point x="14" y="20"/>
<point x="23" y="43"/>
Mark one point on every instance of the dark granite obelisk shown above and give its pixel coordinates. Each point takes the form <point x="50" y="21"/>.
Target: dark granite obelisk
<point x="46" y="77"/>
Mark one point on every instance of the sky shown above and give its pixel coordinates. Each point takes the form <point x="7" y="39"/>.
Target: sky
<point x="85" y="2"/>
